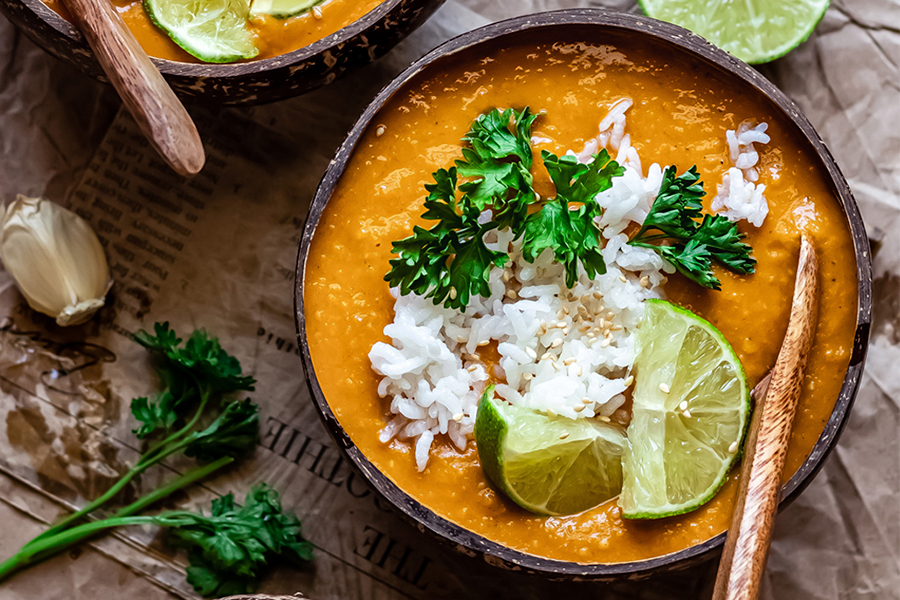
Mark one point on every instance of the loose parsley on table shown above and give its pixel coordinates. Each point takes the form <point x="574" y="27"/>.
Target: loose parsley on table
<point x="195" y="416"/>
<point x="450" y="262"/>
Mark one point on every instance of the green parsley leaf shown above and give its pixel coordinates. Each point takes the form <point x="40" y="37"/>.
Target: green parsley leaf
<point x="235" y="432"/>
<point x="566" y="225"/>
<point x="578" y="182"/>
<point x="229" y="549"/>
<point x="692" y="247"/>
<point x="198" y="369"/>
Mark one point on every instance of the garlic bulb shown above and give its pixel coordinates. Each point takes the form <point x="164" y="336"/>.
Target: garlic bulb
<point x="55" y="258"/>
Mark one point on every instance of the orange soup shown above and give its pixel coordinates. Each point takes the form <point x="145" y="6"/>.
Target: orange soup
<point x="681" y="112"/>
<point x="274" y="37"/>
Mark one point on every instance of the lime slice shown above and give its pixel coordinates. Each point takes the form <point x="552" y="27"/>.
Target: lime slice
<point x="214" y="31"/>
<point x="690" y="411"/>
<point x="755" y="31"/>
<point x="282" y="9"/>
<point x="550" y="466"/>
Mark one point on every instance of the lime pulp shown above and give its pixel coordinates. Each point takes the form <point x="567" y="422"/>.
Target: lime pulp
<point x="755" y="31"/>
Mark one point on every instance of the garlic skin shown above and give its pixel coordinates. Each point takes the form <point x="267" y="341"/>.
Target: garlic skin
<point x="55" y="258"/>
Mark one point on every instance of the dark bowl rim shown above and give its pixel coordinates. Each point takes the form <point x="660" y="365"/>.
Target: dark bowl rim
<point x="693" y="45"/>
<point x="237" y="69"/>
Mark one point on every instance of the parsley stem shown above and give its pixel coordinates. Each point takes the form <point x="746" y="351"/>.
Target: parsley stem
<point x="57" y="540"/>
<point x="204" y="398"/>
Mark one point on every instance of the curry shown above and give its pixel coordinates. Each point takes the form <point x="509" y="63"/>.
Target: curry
<point x="679" y="117"/>
<point x="274" y="37"/>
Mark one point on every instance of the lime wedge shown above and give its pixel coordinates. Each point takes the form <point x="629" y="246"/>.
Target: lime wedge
<point x="550" y="466"/>
<point x="282" y="9"/>
<point x="690" y="411"/>
<point x="755" y="31"/>
<point x="214" y="31"/>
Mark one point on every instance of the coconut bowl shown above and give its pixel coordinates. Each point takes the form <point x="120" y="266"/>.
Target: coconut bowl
<point x="253" y="82"/>
<point x="594" y="25"/>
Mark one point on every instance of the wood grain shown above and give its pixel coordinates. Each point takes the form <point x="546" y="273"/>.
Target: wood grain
<point x="145" y="93"/>
<point x="747" y="546"/>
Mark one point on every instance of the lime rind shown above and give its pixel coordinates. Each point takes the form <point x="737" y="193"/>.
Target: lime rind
<point x="549" y="466"/>
<point x="215" y="31"/>
<point x="675" y="462"/>
<point x="283" y="9"/>
<point x="755" y="31"/>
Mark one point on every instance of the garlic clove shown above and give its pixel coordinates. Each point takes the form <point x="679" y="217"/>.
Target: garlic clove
<point x="56" y="259"/>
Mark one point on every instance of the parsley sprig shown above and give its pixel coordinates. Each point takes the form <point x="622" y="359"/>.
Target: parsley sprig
<point x="193" y="415"/>
<point x="692" y="247"/>
<point x="450" y="262"/>
<point x="227" y="550"/>
<point x="565" y="224"/>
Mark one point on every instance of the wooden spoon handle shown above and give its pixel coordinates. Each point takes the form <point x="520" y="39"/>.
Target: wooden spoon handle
<point x="744" y="556"/>
<point x="145" y="93"/>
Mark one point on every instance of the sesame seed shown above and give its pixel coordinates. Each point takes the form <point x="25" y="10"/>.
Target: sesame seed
<point x="629" y="380"/>
<point x="483" y="343"/>
<point x="565" y="331"/>
<point x="645" y="281"/>
<point x="687" y="414"/>
<point x="604" y="418"/>
<point x="683" y="405"/>
<point x="569" y="361"/>
<point x="733" y="447"/>
<point x="453" y="293"/>
<point x="458" y="417"/>
<point x="471" y="368"/>
<point x="622" y="279"/>
<point x="586" y="401"/>
<point x="579" y="372"/>
<point x="560" y="314"/>
<point x="601" y="324"/>
<point x="579" y="408"/>
<point x="511" y="294"/>
<point x="317" y="12"/>
<point x="610" y="316"/>
<point x="591" y="335"/>
<point x="505" y="276"/>
<point x="546" y="356"/>
<point x="565" y="310"/>
<point x="556" y="366"/>
<point x="530" y="352"/>
<point x="604" y="343"/>
<point x="556" y="343"/>
<point x="564" y="435"/>
<point x="664" y="388"/>
<point x="528" y="376"/>
<point x="460" y="339"/>
<point x="597" y="295"/>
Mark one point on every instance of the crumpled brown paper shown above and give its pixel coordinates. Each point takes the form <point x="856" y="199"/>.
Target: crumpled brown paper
<point x="220" y="254"/>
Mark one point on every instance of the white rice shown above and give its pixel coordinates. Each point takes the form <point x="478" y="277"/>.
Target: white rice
<point x="739" y="197"/>
<point x="565" y="352"/>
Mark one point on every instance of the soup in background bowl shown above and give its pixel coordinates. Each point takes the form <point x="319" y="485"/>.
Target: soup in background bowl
<point x="572" y="67"/>
<point x="296" y="55"/>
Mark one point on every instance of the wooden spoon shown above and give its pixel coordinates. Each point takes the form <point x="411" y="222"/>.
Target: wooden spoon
<point x="747" y="546"/>
<point x="145" y="93"/>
